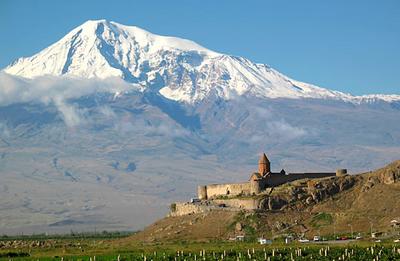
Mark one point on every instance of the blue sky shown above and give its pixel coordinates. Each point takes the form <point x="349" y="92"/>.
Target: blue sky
<point x="351" y="46"/>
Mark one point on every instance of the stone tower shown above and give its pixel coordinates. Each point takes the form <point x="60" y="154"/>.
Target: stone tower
<point x="255" y="186"/>
<point x="341" y="172"/>
<point x="202" y="192"/>
<point x="264" y="166"/>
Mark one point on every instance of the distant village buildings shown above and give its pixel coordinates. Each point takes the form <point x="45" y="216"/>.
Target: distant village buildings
<point x="259" y="181"/>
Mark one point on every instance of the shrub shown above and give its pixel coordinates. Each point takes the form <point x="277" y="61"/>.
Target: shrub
<point x="172" y="207"/>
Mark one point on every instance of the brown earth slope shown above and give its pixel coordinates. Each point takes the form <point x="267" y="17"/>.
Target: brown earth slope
<point x="335" y="205"/>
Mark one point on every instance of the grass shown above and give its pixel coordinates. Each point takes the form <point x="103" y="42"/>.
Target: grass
<point x="250" y="224"/>
<point x="321" y="219"/>
<point x="207" y="251"/>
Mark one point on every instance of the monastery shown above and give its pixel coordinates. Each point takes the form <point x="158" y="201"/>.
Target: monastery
<point x="259" y="181"/>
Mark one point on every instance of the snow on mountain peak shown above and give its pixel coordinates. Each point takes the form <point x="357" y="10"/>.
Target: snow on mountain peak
<point x="99" y="48"/>
<point x="179" y="69"/>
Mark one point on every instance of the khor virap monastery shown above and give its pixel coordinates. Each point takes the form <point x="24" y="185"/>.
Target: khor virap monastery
<point x="254" y="194"/>
<point x="259" y="181"/>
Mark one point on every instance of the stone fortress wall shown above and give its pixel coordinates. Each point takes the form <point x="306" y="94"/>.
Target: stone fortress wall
<point x="216" y="190"/>
<point x="259" y="181"/>
<point x="225" y="196"/>
<point x="245" y="203"/>
<point x="188" y="208"/>
<point x="279" y="179"/>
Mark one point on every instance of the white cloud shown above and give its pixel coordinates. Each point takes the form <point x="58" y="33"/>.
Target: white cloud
<point x="72" y="116"/>
<point x="284" y="129"/>
<point x="274" y="126"/>
<point x="107" y="111"/>
<point x="57" y="91"/>
<point x="4" y="131"/>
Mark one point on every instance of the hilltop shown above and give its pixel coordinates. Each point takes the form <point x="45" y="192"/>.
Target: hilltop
<point x="339" y="205"/>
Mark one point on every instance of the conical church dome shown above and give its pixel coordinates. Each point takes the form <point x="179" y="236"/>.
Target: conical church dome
<point x="264" y="165"/>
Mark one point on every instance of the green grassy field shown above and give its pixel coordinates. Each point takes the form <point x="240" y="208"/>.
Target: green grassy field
<point x="120" y="249"/>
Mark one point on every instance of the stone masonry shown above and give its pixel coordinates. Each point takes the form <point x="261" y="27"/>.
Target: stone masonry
<point x="259" y="181"/>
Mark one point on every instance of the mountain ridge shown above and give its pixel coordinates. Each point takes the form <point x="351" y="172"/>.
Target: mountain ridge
<point x="178" y="69"/>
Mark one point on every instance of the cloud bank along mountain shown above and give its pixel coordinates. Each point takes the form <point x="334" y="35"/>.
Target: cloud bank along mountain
<point x="57" y="91"/>
<point x="121" y="121"/>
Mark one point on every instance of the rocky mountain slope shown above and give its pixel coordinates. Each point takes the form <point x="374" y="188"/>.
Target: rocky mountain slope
<point x="111" y="123"/>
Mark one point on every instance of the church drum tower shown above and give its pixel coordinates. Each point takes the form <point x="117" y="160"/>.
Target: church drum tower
<point x="264" y="165"/>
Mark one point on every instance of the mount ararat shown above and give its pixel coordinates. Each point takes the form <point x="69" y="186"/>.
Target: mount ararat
<point x="112" y="122"/>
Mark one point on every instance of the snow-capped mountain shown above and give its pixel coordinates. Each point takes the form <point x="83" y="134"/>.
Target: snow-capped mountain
<point x="112" y="123"/>
<point x="179" y="69"/>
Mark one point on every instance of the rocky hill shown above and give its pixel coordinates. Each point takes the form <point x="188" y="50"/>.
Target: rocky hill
<point x="329" y="206"/>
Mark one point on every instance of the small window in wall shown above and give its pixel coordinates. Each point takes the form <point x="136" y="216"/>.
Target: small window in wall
<point x="228" y="192"/>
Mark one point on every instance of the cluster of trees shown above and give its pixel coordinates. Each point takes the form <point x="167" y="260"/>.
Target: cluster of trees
<point x="72" y="235"/>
